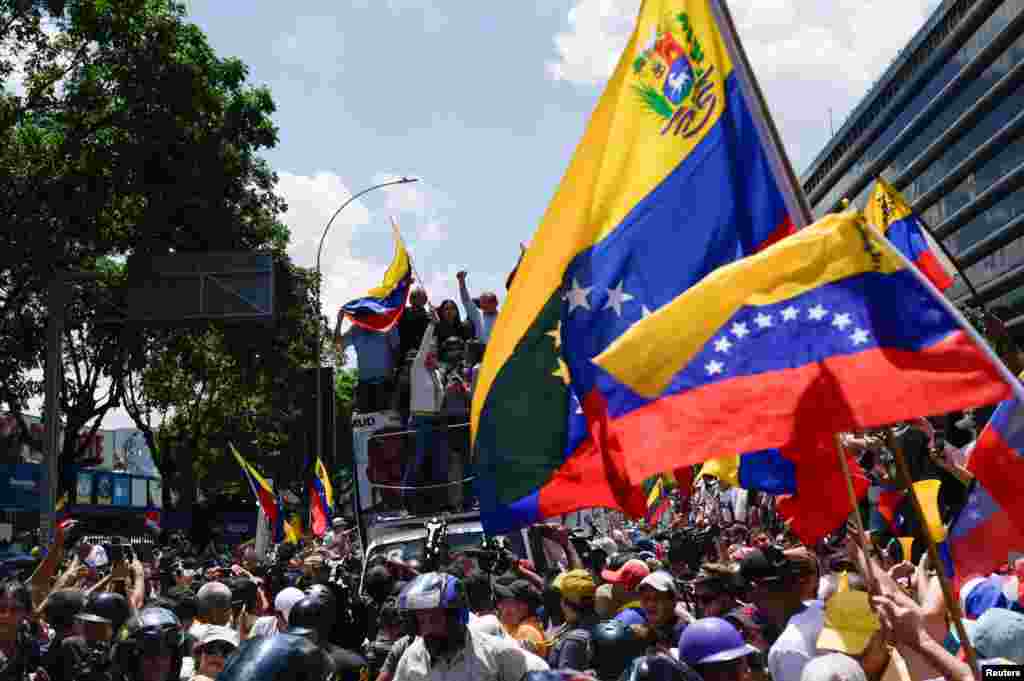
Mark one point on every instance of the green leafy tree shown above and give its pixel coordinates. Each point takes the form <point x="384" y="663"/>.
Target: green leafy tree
<point x="130" y="136"/>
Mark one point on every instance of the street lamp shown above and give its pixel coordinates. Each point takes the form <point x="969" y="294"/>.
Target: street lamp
<point x="319" y="326"/>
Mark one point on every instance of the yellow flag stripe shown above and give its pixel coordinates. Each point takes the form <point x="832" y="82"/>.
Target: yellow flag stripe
<point x="884" y="194"/>
<point x="397" y="270"/>
<point x="828" y="251"/>
<point x="622" y="157"/>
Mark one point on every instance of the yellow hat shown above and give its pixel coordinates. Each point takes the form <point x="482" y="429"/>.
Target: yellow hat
<point x="849" y="623"/>
<point x="577" y="585"/>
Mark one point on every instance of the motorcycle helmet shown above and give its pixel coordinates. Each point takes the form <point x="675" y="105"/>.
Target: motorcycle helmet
<point x="148" y="633"/>
<point x="284" y="657"/>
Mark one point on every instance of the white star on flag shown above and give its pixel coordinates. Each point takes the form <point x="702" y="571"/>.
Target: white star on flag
<point x="763" y="321"/>
<point x="722" y="344"/>
<point x="841" y="321"/>
<point x="859" y="337"/>
<point x="817" y="313"/>
<point x="645" y="312"/>
<point x="714" y="367"/>
<point x="616" y="297"/>
<point x="790" y="313"/>
<point x="577" y="296"/>
<point x="739" y="330"/>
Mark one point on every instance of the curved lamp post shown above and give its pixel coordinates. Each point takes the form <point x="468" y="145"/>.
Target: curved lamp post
<point x="319" y="325"/>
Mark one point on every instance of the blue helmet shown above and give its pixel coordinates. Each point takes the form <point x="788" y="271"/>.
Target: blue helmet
<point x="710" y="640"/>
<point x="435" y="590"/>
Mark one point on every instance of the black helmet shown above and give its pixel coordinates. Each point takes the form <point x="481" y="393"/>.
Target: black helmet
<point x="310" y="613"/>
<point x="615" y="647"/>
<point x="62" y="606"/>
<point x="660" y="668"/>
<point x="323" y="593"/>
<point x="106" y="608"/>
<point x="147" y="633"/>
<point x="378" y="583"/>
<point x="617" y="560"/>
<point x="277" y="658"/>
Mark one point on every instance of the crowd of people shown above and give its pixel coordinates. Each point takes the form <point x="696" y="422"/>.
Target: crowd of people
<point x="732" y="596"/>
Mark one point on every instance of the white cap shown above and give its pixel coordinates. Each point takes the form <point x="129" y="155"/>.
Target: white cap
<point x="218" y="633"/>
<point x="286" y="599"/>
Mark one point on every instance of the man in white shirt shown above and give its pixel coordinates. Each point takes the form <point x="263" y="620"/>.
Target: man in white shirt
<point x="779" y="586"/>
<point x="482" y="317"/>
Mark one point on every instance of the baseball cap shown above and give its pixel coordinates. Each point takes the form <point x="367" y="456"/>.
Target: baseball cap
<point x="998" y="633"/>
<point x="764" y="565"/>
<point x="629" y="575"/>
<point x="659" y="580"/>
<point x="849" y="623"/>
<point x="286" y="599"/>
<point x="217" y="633"/>
<point x="519" y="589"/>
<point x="981" y="593"/>
<point x="577" y="585"/>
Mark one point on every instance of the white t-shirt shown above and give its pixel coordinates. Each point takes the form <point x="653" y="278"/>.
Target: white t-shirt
<point x="798" y="643"/>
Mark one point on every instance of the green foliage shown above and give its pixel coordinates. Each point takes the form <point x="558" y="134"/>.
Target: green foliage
<point x="130" y="135"/>
<point x="345" y="381"/>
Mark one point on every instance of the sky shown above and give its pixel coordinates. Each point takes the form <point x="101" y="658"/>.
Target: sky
<point x="485" y="102"/>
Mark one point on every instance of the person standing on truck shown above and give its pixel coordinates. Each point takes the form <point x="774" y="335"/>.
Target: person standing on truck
<point x="481" y="313"/>
<point x="377" y="354"/>
<point x="430" y="467"/>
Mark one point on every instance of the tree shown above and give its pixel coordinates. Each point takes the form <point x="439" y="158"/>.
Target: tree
<point x="131" y="137"/>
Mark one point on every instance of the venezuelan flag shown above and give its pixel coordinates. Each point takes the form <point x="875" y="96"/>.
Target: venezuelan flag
<point x="826" y="331"/>
<point x="321" y="498"/>
<point x="673" y="178"/>
<point x="991" y="524"/>
<point x="889" y="212"/>
<point x="657" y="499"/>
<point x="382" y="307"/>
<point x="810" y="486"/>
<point x="270" y="503"/>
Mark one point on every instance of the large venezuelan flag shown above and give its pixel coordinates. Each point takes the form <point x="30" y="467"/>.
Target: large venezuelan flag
<point x="674" y="177"/>
<point x="382" y="307"/>
<point x="888" y="211"/>
<point x="824" y="332"/>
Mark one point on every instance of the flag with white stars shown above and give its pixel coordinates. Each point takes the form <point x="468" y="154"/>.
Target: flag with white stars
<point x="825" y="332"/>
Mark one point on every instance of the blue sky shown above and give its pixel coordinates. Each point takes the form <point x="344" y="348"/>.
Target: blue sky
<point x="486" y="102"/>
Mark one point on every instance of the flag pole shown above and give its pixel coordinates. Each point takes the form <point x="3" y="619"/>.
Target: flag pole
<point x="952" y="604"/>
<point x="797" y="206"/>
<point x="412" y="267"/>
<point x="869" y="577"/>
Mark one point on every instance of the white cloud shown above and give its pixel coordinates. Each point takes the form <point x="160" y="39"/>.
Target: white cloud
<point x="424" y="205"/>
<point x="312" y="201"/>
<point x="809" y="57"/>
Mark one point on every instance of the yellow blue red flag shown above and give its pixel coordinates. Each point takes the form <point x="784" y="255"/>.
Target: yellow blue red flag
<point x="270" y="503"/>
<point x="676" y="175"/>
<point x="829" y="330"/>
<point x="382" y="307"/>
<point x="321" y="498"/>
<point x="889" y="212"/>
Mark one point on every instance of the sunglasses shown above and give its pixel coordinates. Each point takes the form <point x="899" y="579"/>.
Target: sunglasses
<point x="222" y="649"/>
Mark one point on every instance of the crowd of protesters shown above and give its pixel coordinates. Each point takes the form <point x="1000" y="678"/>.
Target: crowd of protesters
<point x="723" y="592"/>
<point x="722" y="595"/>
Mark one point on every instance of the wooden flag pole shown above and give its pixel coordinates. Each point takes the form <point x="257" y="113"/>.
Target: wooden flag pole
<point x="952" y="605"/>
<point x="864" y="541"/>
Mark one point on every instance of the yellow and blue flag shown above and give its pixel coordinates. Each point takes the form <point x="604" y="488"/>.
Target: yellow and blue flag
<point x="381" y="308"/>
<point x="676" y="175"/>
<point x="321" y="499"/>
<point x="270" y="503"/>
<point x="790" y="345"/>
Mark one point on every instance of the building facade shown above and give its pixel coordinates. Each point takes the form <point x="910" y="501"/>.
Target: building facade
<point x="945" y="125"/>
